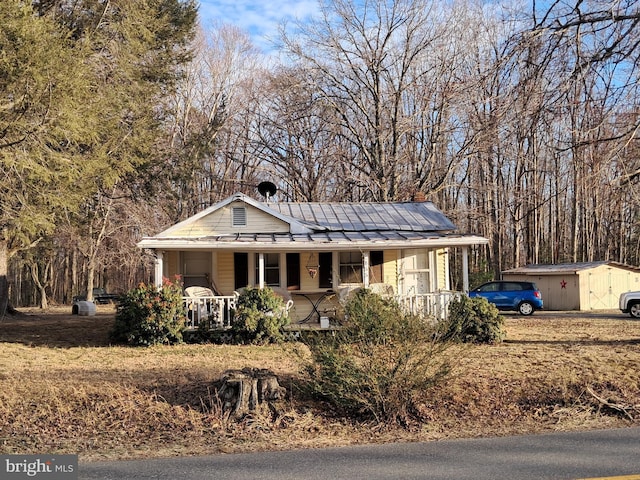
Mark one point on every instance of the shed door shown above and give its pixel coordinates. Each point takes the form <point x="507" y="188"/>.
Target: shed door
<point x="604" y="286"/>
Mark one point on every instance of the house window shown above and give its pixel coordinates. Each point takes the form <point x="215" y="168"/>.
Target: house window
<point x="350" y="267"/>
<point x="239" y="217"/>
<point x="271" y="269"/>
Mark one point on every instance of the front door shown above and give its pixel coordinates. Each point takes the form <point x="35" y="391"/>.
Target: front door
<point x="416" y="272"/>
<point x="196" y="268"/>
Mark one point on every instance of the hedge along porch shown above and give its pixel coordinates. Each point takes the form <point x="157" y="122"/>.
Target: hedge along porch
<point x="314" y="254"/>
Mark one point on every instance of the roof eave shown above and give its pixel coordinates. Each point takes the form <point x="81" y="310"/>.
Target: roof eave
<point x="214" y="244"/>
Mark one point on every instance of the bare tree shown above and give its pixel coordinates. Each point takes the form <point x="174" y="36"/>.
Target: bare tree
<point x="207" y="152"/>
<point x="370" y="63"/>
<point x="295" y="135"/>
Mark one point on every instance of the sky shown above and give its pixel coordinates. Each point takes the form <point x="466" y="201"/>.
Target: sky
<point x="259" y="18"/>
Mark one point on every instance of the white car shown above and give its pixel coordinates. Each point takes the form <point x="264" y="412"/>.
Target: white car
<point x="630" y="303"/>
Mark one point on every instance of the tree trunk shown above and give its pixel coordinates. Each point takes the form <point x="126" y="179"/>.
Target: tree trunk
<point x="90" y="276"/>
<point x="242" y="391"/>
<point x="4" y="284"/>
<point x="41" y="286"/>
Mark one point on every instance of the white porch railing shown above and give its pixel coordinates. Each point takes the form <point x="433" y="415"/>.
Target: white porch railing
<point x="210" y="312"/>
<point x="214" y="312"/>
<point x="434" y="305"/>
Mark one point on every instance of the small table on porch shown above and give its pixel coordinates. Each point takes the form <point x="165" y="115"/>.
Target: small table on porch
<point x="315" y="298"/>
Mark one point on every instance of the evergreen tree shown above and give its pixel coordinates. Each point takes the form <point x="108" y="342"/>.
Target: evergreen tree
<point x="81" y="89"/>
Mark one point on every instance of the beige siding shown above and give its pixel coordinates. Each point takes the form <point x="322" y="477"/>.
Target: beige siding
<point x="219" y="223"/>
<point x="306" y="282"/>
<point x="390" y="268"/>
<point x="561" y="292"/>
<point x="171" y="264"/>
<point x="224" y="274"/>
<point x="554" y="295"/>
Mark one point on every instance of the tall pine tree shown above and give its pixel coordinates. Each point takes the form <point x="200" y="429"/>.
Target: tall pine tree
<point x="81" y="103"/>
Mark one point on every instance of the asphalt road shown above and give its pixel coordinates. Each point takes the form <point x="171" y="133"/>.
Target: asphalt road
<point x="593" y="454"/>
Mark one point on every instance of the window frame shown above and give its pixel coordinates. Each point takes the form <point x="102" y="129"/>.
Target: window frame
<point x="352" y="270"/>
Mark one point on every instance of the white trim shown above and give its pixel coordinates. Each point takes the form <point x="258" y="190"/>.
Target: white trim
<point x="158" y="269"/>
<point x="465" y="269"/>
<point x="447" y="270"/>
<point x="433" y="270"/>
<point x="298" y="246"/>
<point x="365" y="268"/>
<point x="261" y="270"/>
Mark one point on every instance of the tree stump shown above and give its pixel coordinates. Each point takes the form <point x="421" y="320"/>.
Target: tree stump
<point x="242" y="391"/>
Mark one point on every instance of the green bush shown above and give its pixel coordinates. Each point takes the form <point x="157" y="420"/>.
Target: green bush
<point x="483" y="275"/>
<point x="379" y="364"/>
<point x="473" y="320"/>
<point x="148" y="315"/>
<point x="259" y="316"/>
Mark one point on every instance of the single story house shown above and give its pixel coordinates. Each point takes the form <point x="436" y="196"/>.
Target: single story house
<point x="579" y="286"/>
<point x="313" y="254"/>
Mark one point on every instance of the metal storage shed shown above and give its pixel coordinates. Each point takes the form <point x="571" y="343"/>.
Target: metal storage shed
<point x="579" y="286"/>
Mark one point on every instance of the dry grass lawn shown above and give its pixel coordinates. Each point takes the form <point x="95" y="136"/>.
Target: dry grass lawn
<point x="64" y="389"/>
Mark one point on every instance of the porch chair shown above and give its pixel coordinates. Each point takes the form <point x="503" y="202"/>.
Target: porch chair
<point x="385" y="290"/>
<point x="281" y="292"/>
<point x="286" y="296"/>
<point x="202" y="308"/>
<point x="197" y="291"/>
<point x="346" y="292"/>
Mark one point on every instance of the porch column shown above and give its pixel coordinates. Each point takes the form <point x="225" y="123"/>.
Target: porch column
<point x="432" y="258"/>
<point x="465" y="269"/>
<point x="447" y="273"/>
<point x="261" y="270"/>
<point x="158" y="268"/>
<point x="365" y="269"/>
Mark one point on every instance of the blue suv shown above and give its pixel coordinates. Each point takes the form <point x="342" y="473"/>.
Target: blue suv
<point x="523" y="297"/>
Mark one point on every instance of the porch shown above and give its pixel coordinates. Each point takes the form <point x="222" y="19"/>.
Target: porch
<point x="215" y="312"/>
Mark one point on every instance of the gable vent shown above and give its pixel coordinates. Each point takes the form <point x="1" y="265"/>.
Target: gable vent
<point x="239" y="216"/>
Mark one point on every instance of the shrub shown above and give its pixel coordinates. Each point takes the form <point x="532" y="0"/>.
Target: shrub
<point x="482" y="275"/>
<point x="148" y="315"/>
<point x="259" y="316"/>
<point x="473" y="320"/>
<point x="379" y="364"/>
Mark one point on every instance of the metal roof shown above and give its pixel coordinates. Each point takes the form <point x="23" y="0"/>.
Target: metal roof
<point x="328" y="225"/>
<point x="364" y="217"/>
<point x="564" y="268"/>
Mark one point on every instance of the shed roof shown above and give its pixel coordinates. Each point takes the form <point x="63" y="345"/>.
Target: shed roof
<point x="564" y="268"/>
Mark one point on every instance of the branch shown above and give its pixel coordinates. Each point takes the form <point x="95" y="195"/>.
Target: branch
<point x="616" y="407"/>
